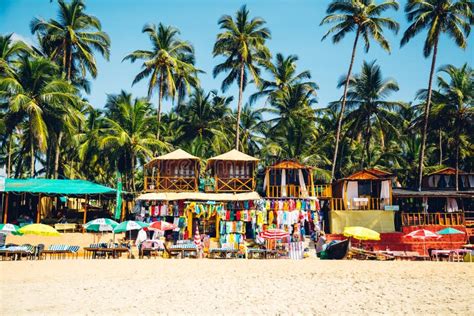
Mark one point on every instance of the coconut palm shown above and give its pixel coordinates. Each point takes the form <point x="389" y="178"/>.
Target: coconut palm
<point x="437" y="17"/>
<point x="34" y="90"/>
<point x="9" y="52"/>
<point x="283" y="72"/>
<point x="455" y="104"/>
<point x="74" y="38"/>
<point x="242" y="44"/>
<point x="368" y="110"/>
<point x="127" y="135"/>
<point x="169" y="64"/>
<point x="252" y="126"/>
<point x="363" y="17"/>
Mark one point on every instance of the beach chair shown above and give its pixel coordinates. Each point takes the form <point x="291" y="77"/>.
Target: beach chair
<point x="74" y="251"/>
<point x="171" y="253"/>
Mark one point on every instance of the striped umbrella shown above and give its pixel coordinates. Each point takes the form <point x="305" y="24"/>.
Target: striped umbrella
<point x="274" y="234"/>
<point x="129" y="225"/>
<point x="9" y="229"/>
<point x="162" y="225"/>
<point x="197" y="239"/>
<point x="101" y="225"/>
<point x="422" y="234"/>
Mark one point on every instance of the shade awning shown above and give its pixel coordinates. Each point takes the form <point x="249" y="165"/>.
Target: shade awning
<point x="199" y="196"/>
<point x="233" y="155"/>
<point x="56" y="186"/>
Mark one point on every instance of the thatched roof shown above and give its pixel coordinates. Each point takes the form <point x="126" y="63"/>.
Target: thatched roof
<point x="233" y="155"/>
<point x="178" y="154"/>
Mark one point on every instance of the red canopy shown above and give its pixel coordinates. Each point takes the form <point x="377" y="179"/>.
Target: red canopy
<point x="422" y="234"/>
<point x="162" y="225"/>
<point x="274" y="234"/>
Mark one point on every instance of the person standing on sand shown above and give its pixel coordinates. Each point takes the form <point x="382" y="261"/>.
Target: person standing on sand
<point x="141" y="237"/>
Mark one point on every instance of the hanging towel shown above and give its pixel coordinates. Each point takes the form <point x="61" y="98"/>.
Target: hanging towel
<point x="304" y="191"/>
<point x="352" y="191"/>
<point x="283" y="183"/>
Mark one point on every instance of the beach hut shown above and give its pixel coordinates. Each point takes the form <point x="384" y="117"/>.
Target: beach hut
<point x="233" y="171"/>
<point x="292" y="179"/>
<point x="177" y="171"/>
<point x="363" y="199"/>
<point x="438" y="202"/>
<point x="368" y="189"/>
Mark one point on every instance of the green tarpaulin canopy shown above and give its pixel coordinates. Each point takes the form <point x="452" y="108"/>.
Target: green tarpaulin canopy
<point x="55" y="187"/>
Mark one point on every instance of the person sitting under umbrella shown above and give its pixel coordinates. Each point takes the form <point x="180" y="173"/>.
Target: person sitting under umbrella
<point x="141" y="237"/>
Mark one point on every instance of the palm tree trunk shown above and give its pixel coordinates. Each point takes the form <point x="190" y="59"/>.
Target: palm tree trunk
<point x="160" y="97"/>
<point x="239" y="107"/>
<point x="32" y="162"/>
<point x="57" y="152"/>
<point x="132" y="158"/>
<point x="343" y="106"/>
<point x="367" y="144"/>
<point x="426" y="116"/>
<point x="69" y="65"/>
<point x="457" y="155"/>
<point x="9" y="158"/>
<point x="440" y="148"/>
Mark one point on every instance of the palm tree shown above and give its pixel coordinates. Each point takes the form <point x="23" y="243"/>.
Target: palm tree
<point x="437" y="16"/>
<point x="73" y="38"/>
<point x="252" y="126"/>
<point x="34" y="90"/>
<point x="455" y="103"/>
<point x="363" y="17"/>
<point x="368" y="107"/>
<point x="127" y="134"/>
<point x="9" y="52"/>
<point x="168" y="64"/>
<point x="242" y="44"/>
<point x="284" y="74"/>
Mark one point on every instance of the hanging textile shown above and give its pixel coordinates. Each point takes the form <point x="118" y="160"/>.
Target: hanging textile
<point x="452" y="205"/>
<point x="446" y="179"/>
<point x="352" y="191"/>
<point x="436" y="180"/>
<point x="385" y="192"/>
<point x="304" y="191"/>
<point x="283" y="183"/>
<point x="425" y="204"/>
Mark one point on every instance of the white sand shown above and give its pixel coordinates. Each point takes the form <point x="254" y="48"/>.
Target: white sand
<point x="235" y="287"/>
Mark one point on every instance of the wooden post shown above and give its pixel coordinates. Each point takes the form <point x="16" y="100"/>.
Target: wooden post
<point x="267" y="177"/>
<point x="218" y="223"/>
<point x="85" y="210"/>
<point x="38" y="209"/>
<point x="122" y="215"/>
<point x="5" y="209"/>
<point x="311" y="178"/>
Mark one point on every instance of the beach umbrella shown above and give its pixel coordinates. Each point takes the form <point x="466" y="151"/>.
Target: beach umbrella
<point x="449" y="231"/>
<point x="39" y="229"/>
<point x="9" y="229"/>
<point x="162" y="225"/>
<point x="361" y="233"/>
<point x="197" y="238"/>
<point x="274" y="234"/>
<point x="422" y="234"/>
<point x="101" y="225"/>
<point x="129" y="226"/>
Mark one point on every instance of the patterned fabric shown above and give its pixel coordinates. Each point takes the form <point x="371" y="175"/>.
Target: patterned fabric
<point x="58" y="247"/>
<point x="184" y="246"/>
<point x="223" y="249"/>
<point x="73" y="249"/>
<point x="28" y="249"/>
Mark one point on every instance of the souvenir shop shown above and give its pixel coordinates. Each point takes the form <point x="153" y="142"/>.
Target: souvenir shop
<point x="231" y="222"/>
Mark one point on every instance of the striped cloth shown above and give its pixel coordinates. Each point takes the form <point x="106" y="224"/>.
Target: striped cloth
<point x="25" y="248"/>
<point x="58" y="247"/>
<point x="222" y="249"/>
<point x="73" y="249"/>
<point x="184" y="246"/>
<point x="296" y="250"/>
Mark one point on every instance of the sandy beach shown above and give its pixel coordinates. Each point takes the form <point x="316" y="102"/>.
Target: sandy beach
<point x="235" y="287"/>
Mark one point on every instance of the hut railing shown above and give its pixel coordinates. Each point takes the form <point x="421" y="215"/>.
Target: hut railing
<point x="337" y="204"/>
<point x="234" y="184"/>
<point x="175" y="183"/>
<point x="292" y="190"/>
<point x="441" y="218"/>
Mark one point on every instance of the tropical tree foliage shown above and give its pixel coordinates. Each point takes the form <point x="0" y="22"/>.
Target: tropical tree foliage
<point x="48" y="129"/>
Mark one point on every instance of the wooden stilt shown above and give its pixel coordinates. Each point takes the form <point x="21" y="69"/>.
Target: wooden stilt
<point x="38" y="209"/>
<point x="5" y="210"/>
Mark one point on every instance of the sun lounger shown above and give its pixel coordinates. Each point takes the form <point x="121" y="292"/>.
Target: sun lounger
<point x="170" y="252"/>
<point x="186" y="250"/>
<point x="17" y="252"/>
<point x="56" y="251"/>
<point x="74" y="251"/>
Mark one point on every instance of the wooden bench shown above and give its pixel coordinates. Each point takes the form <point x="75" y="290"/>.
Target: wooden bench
<point x="65" y="226"/>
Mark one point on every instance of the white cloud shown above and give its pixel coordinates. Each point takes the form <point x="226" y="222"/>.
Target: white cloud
<point x="28" y="40"/>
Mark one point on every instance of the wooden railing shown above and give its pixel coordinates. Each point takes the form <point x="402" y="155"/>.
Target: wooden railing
<point x="235" y="184"/>
<point x="444" y="219"/>
<point x="292" y="190"/>
<point x="171" y="184"/>
<point x="337" y="204"/>
<point x="323" y="190"/>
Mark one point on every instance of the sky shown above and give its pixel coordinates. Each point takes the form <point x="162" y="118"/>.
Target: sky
<point x="295" y="29"/>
